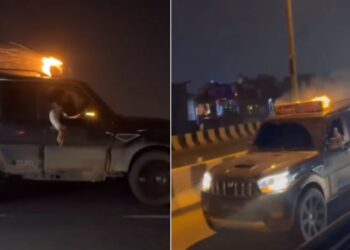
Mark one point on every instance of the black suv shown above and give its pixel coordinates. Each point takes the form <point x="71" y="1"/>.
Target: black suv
<point x="299" y="161"/>
<point x="98" y="146"/>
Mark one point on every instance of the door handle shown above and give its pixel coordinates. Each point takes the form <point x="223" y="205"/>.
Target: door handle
<point x="109" y="133"/>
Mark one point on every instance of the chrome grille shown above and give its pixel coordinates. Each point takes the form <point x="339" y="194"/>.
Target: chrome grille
<point x="236" y="188"/>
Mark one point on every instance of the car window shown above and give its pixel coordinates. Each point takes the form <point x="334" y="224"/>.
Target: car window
<point x="75" y="100"/>
<point x="18" y="102"/>
<point x="284" y="136"/>
<point x="347" y="119"/>
<point x="335" y="124"/>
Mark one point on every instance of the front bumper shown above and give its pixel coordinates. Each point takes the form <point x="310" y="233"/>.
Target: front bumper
<point x="271" y="213"/>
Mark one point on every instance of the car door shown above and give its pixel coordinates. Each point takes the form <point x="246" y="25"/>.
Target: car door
<point x="344" y="174"/>
<point x="337" y="159"/>
<point x="20" y="132"/>
<point x="83" y="155"/>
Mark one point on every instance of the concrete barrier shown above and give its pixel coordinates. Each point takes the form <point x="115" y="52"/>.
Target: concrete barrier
<point x="186" y="181"/>
<point x="204" y="137"/>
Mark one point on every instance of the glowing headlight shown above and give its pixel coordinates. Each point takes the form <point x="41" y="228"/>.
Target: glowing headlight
<point x="275" y="183"/>
<point x="206" y="182"/>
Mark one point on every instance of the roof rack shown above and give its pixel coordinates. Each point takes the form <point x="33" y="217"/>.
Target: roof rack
<point x="344" y="103"/>
<point x="25" y="71"/>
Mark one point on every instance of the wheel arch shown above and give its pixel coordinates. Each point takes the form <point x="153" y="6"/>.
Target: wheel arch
<point x="316" y="181"/>
<point x="124" y="156"/>
<point x="307" y="187"/>
<point x="146" y="150"/>
<point x="312" y="181"/>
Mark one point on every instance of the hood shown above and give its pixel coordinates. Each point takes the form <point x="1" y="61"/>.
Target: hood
<point x="143" y="124"/>
<point x="154" y="130"/>
<point x="257" y="164"/>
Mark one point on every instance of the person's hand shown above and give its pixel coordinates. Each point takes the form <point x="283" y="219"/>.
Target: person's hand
<point x="60" y="136"/>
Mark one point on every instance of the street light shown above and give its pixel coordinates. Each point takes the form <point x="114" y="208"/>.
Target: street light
<point x="292" y="53"/>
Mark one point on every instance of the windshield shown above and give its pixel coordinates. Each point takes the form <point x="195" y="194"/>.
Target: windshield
<point x="287" y="135"/>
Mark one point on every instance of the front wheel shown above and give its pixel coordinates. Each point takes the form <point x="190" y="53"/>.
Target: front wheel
<point x="311" y="215"/>
<point x="149" y="178"/>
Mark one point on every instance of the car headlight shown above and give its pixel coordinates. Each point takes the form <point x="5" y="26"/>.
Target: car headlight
<point x="275" y="183"/>
<point x="206" y="182"/>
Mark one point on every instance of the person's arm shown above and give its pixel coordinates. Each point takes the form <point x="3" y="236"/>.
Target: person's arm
<point x="55" y="121"/>
<point x="54" y="116"/>
<point x="77" y="116"/>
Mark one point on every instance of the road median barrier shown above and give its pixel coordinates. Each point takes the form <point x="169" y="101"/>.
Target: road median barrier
<point x="210" y="136"/>
<point x="186" y="181"/>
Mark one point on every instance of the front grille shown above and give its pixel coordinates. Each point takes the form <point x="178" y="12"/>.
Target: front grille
<point x="235" y="188"/>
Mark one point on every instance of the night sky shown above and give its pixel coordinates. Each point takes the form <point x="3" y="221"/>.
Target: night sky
<point x="219" y="39"/>
<point x="120" y="47"/>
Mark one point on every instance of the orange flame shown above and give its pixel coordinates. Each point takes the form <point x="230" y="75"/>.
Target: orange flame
<point x="324" y="99"/>
<point x="48" y="63"/>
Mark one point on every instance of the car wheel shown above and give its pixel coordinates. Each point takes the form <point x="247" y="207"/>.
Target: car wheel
<point x="311" y="214"/>
<point x="149" y="178"/>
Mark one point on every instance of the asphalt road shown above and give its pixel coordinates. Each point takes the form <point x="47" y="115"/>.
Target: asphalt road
<point x="36" y="216"/>
<point x="189" y="230"/>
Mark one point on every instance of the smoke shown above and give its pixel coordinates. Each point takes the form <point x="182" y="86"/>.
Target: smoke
<point x="336" y="86"/>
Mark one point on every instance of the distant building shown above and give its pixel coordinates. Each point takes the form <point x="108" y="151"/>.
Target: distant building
<point x="221" y="104"/>
<point x="216" y="104"/>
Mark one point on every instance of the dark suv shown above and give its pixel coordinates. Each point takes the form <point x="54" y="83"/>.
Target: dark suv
<point x="299" y="161"/>
<point x="98" y="146"/>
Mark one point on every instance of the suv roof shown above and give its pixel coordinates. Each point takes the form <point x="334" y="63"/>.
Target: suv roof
<point x="297" y="116"/>
<point x="336" y="107"/>
<point x="19" y="74"/>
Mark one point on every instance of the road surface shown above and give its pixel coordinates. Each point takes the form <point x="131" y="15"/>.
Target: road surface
<point x="104" y="216"/>
<point x="189" y="230"/>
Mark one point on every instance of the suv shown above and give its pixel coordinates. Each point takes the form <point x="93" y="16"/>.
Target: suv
<point x="299" y="161"/>
<point x="98" y="146"/>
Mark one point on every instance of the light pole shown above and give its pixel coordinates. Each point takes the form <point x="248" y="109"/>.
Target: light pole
<point x="292" y="53"/>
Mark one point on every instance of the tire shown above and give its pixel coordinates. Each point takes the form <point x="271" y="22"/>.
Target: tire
<point x="149" y="178"/>
<point x="311" y="215"/>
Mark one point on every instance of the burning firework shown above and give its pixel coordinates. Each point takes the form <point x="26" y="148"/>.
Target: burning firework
<point x="18" y="57"/>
